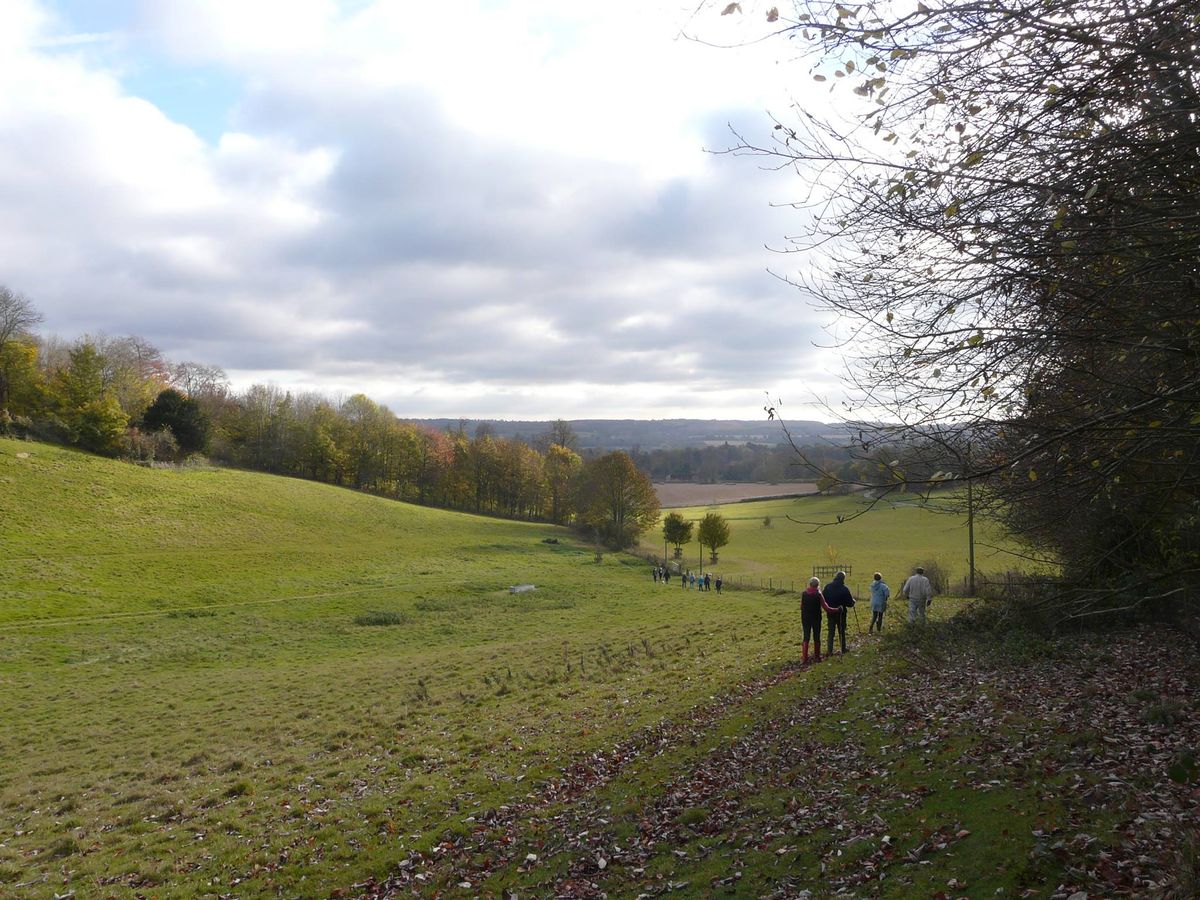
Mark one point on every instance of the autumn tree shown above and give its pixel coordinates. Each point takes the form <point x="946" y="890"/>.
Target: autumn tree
<point x="134" y="371"/>
<point x="257" y="425"/>
<point x="677" y="531"/>
<point x="713" y="533"/>
<point x="22" y="386"/>
<point x="319" y="453"/>
<point x="17" y="318"/>
<point x="91" y="413"/>
<point x="366" y="423"/>
<point x="616" y="499"/>
<point x="560" y="467"/>
<point x="1005" y="221"/>
<point x="435" y="456"/>
<point x="197" y="380"/>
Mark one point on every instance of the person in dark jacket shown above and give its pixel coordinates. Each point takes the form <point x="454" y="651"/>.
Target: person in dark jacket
<point x="838" y="601"/>
<point x="811" y="602"/>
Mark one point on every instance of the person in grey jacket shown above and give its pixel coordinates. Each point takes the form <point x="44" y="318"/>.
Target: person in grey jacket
<point x="919" y="592"/>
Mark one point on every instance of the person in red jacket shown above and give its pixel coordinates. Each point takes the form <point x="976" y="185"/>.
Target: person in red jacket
<point x="811" y="603"/>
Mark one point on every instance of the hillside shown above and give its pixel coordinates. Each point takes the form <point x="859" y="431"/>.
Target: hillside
<point x="219" y="683"/>
<point x="184" y="649"/>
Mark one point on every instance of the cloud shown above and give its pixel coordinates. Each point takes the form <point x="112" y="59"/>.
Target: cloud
<point x="493" y="215"/>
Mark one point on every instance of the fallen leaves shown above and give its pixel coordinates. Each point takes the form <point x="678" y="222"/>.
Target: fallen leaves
<point x="1082" y="743"/>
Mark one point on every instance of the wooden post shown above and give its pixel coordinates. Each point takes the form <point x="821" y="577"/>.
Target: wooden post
<point x="970" y="527"/>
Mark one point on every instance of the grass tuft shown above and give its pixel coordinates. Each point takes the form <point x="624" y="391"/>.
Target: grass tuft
<point x="239" y="789"/>
<point x="381" y="617"/>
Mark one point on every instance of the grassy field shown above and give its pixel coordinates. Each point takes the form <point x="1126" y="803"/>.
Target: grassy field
<point x="188" y="697"/>
<point x="222" y="684"/>
<point x="890" y="539"/>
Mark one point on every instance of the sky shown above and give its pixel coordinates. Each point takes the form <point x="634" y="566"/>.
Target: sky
<point x="486" y="209"/>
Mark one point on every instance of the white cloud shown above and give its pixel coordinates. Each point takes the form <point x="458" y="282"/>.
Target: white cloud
<point x="503" y="210"/>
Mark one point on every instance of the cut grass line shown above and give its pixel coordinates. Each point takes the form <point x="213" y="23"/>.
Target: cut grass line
<point x="195" y="551"/>
<point x="108" y="617"/>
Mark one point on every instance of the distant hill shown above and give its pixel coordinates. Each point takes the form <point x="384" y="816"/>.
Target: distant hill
<point x="653" y="434"/>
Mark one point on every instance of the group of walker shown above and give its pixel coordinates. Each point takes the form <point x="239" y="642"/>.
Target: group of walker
<point x="836" y="600"/>
<point x="704" y="582"/>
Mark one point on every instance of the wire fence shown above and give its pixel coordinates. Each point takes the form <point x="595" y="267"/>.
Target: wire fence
<point x="679" y="567"/>
<point x="742" y="582"/>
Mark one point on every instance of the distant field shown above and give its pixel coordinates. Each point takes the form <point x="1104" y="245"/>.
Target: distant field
<point x="673" y="494"/>
<point x="804" y="533"/>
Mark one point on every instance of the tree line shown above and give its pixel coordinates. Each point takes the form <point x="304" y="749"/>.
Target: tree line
<point x="120" y="397"/>
<point x="735" y="462"/>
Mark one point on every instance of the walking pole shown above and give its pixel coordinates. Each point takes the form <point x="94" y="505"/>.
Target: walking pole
<point x="857" y="624"/>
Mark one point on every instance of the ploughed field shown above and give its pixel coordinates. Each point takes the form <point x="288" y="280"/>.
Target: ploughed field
<point x="224" y="684"/>
<point x="673" y="494"/>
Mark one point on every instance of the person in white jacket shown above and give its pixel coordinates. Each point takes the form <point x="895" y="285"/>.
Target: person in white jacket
<point x="919" y="592"/>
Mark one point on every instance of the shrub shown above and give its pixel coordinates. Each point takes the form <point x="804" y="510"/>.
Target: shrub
<point x="938" y="575"/>
<point x="148" y="446"/>
<point x="99" y="426"/>
<point x="1168" y="712"/>
<point x="183" y="417"/>
<point x="49" y="428"/>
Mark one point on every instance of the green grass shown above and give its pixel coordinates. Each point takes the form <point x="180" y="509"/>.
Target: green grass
<point x="186" y="694"/>
<point x="890" y="539"/>
<point x="216" y="682"/>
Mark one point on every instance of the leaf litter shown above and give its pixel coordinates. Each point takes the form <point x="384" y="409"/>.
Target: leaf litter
<point x="1104" y="730"/>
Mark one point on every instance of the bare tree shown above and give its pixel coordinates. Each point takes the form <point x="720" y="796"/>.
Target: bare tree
<point x="199" y="380"/>
<point x="559" y="433"/>
<point x="17" y="315"/>
<point x="1004" y="215"/>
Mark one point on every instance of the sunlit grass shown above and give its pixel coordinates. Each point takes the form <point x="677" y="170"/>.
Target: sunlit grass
<point x="805" y="532"/>
<point x="222" y="682"/>
<point x="188" y="692"/>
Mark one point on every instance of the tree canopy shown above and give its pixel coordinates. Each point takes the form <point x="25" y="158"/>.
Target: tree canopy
<point x="677" y="531"/>
<point x="713" y="533"/>
<point x="615" y="498"/>
<point x="17" y="317"/>
<point x="184" y="418"/>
